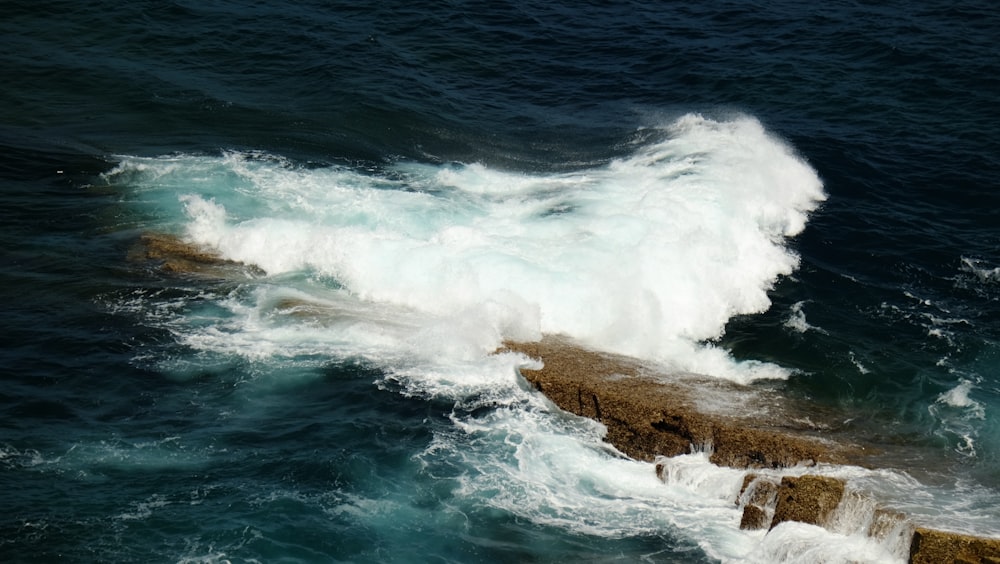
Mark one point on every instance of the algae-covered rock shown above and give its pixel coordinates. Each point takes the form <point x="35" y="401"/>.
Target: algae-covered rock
<point x="648" y="414"/>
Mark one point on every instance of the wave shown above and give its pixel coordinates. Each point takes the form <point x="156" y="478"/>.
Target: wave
<point x="649" y="255"/>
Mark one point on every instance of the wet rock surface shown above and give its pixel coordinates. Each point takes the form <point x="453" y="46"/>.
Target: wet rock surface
<point x="758" y="497"/>
<point x="172" y="255"/>
<point x="648" y="415"/>
<point x="807" y="499"/>
<point x="935" y="547"/>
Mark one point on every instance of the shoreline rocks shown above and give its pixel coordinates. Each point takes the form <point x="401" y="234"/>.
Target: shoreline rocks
<point x="650" y="415"/>
<point x="658" y="416"/>
<point x="807" y="499"/>
<point x="933" y="547"/>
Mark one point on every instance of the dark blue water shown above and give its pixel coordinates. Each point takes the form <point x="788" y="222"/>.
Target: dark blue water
<point x="415" y="184"/>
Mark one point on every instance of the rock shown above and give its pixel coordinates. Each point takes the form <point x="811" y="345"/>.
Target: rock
<point x="754" y="517"/>
<point x="758" y="497"/>
<point x="649" y="414"/>
<point x="176" y="256"/>
<point x="739" y="446"/>
<point x="807" y="499"/>
<point x="934" y="547"/>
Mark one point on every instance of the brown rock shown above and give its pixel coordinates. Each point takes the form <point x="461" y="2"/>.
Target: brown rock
<point x="648" y="414"/>
<point x="807" y="499"/>
<point x="740" y="446"/>
<point x="935" y="547"/>
<point x="758" y="496"/>
<point x="754" y="517"/>
<point x="175" y="256"/>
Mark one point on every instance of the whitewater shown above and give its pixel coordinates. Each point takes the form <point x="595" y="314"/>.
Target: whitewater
<point x="647" y="256"/>
<point x="422" y="271"/>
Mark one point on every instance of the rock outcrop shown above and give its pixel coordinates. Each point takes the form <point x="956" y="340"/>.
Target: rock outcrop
<point x="650" y="415"/>
<point x="758" y="498"/>
<point x="175" y="256"/>
<point x="934" y="547"/>
<point x="807" y="499"/>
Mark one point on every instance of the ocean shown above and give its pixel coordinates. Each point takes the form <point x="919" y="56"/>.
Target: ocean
<point x="795" y="196"/>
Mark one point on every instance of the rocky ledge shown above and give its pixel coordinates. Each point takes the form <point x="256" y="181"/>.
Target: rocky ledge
<point x="649" y="415"/>
<point x="659" y="415"/>
<point x="174" y="256"/>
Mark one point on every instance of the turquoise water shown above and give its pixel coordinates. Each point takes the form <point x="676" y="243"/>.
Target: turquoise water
<point x="797" y="198"/>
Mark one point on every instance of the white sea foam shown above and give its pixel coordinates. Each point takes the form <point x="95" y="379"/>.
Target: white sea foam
<point x="796" y="320"/>
<point x="799" y="543"/>
<point x="959" y="397"/>
<point x="980" y="270"/>
<point x="960" y="416"/>
<point x="857" y="363"/>
<point x="531" y="466"/>
<point x="650" y="255"/>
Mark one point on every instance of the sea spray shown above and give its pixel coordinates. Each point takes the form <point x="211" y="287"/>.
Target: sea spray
<point x="649" y="255"/>
<point x="422" y="271"/>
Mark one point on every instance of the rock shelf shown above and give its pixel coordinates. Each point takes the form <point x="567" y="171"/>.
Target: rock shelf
<point x="649" y="415"/>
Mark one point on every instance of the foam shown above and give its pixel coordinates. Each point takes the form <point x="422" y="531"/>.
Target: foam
<point x="649" y="255"/>
<point x="959" y="397"/>
<point x="959" y="416"/>
<point x="796" y="320"/>
<point x="984" y="273"/>
<point x="799" y="543"/>
<point x="555" y="472"/>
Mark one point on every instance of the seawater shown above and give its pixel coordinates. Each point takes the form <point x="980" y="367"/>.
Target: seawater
<point x="796" y="198"/>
